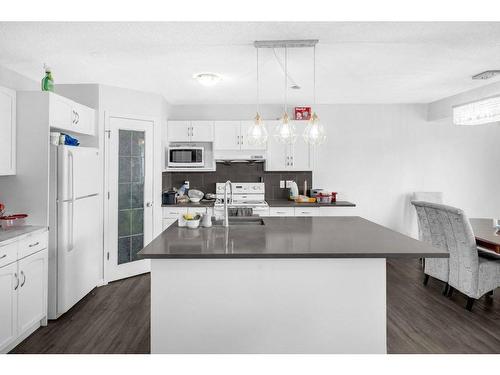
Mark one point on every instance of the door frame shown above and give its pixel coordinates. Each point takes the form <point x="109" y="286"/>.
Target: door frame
<point x="156" y="183"/>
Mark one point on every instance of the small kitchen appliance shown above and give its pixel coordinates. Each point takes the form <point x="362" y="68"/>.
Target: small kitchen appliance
<point x="168" y="197"/>
<point x="186" y="156"/>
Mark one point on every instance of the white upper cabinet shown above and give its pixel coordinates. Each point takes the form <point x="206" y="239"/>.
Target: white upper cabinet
<point x="67" y="115"/>
<point x="227" y="135"/>
<point x="232" y="136"/>
<point x="7" y="131"/>
<point x="190" y="131"/>
<point x="202" y="131"/>
<point x="178" y="131"/>
<point x="295" y="157"/>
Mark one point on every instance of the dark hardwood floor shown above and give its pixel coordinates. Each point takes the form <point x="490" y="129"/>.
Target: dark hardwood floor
<point x="115" y="319"/>
<point x="111" y="319"/>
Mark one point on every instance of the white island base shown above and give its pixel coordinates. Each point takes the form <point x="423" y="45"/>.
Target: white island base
<point x="278" y="305"/>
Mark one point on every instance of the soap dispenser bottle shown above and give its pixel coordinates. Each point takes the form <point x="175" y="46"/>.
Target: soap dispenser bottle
<point x="47" y="81"/>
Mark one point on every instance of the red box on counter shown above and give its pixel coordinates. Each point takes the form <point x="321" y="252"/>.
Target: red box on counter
<point x="302" y="113"/>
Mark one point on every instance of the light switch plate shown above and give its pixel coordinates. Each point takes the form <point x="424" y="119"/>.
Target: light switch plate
<point x="288" y="183"/>
<point x="282" y="184"/>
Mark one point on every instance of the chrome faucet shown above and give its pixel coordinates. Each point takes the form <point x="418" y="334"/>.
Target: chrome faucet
<point x="226" y="215"/>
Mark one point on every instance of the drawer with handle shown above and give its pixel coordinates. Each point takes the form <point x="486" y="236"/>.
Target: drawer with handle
<point x="281" y="211"/>
<point x="32" y="243"/>
<point x="306" y="211"/>
<point x="173" y="212"/>
<point x="8" y="253"/>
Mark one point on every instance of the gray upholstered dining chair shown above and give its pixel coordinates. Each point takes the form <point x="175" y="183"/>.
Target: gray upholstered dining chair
<point x="438" y="268"/>
<point x="450" y="229"/>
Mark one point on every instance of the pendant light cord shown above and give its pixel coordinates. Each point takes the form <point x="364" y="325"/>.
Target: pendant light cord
<point x="314" y="78"/>
<point x="286" y="79"/>
<point x="258" y="80"/>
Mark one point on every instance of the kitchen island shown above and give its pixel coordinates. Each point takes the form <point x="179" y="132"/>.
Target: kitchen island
<point x="276" y="285"/>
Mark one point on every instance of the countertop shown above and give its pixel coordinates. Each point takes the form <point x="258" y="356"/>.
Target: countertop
<point x="14" y="232"/>
<point x="287" y="203"/>
<point x="202" y="203"/>
<point x="272" y="203"/>
<point x="289" y="237"/>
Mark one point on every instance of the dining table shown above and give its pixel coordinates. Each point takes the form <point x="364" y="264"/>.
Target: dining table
<point x="487" y="235"/>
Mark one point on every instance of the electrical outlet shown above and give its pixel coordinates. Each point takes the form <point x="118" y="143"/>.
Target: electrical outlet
<point x="288" y="184"/>
<point x="282" y="184"/>
<point x="187" y="184"/>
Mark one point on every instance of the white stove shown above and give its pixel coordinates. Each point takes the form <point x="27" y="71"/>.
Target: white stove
<point x="245" y="195"/>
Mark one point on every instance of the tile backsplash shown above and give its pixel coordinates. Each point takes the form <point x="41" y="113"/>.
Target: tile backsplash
<point x="238" y="172"/>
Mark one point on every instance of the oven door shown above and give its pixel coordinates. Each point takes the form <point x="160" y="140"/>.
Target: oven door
<point x="186" y="157"/>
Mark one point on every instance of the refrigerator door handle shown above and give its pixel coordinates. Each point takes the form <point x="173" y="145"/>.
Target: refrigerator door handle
<point x="72" y="200"/>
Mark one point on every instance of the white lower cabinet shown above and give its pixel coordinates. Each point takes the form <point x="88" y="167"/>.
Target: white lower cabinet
<point x="32" y="296"/>
<point x="23" y="291"/>
<point x="9" y="283"/>
<point x="172" y="214"/>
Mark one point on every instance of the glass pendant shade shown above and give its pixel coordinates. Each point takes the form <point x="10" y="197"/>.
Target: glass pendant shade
<point x="285" y="131"/>
<point x="314" y="133"/>
<point x="257" y="132"/>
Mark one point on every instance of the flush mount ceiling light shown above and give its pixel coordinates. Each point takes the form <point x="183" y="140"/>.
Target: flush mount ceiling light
<point x="486" y="75"/>
<point x="257" y="132"/>
<point x="480" y="112"/>
<point x="207" y="79"/>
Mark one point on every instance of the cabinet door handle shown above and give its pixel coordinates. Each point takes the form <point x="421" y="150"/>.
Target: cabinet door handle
<point x="17" y="279"/>
<point x="74" y="116"/>
<point x="34" y="244"/>
<point x="3" y="256"/>
<point x="77" y="117"/>
<point x="24" y="279"/>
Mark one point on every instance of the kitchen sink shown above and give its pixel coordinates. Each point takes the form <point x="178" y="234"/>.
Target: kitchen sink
<point x="241" y="220"/>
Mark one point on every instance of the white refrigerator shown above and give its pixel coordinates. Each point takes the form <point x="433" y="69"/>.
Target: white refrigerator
<point x="75" y="222"/>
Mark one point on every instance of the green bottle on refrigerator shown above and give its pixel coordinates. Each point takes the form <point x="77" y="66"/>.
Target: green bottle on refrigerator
<point x="48" y="81"/>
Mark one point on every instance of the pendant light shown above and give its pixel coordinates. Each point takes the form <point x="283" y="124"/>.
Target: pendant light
<point x="285" y="130"/>
<point x="257" y="132"/>
<point x="314" y="133"/>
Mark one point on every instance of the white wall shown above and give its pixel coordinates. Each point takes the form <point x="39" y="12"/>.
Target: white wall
<point x="16" y="81"/>
<point x="376" y="155"/>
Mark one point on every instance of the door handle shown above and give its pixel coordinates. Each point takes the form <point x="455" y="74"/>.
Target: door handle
<point x="77" y="117"/>
<point x="3" y="256"/>
<point x="17" y="279"/>
<point x="74" y="116"/>
<point x="24" y="279"/>
<point x="149" y="204"/>
<point x="34" y="244"/>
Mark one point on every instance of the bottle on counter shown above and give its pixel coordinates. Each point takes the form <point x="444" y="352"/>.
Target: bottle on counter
<point x="48" y="81"/>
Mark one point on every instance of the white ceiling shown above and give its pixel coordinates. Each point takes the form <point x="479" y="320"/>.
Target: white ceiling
<point x="356" y="62"/>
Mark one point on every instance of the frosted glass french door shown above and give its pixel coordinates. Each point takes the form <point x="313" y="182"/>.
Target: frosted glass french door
<point x="130" y="208"/>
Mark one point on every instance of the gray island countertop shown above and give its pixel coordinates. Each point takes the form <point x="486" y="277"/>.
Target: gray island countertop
<point x="289" y="237"/>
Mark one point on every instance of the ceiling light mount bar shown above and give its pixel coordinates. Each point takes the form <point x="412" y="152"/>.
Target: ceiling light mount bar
<point x="301" y="43"/>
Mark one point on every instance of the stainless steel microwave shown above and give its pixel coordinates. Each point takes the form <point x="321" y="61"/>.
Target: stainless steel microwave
<point x="186" y="157"/>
